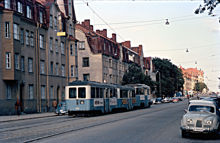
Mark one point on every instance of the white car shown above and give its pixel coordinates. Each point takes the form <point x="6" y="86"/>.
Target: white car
<point x="201" y="117"/>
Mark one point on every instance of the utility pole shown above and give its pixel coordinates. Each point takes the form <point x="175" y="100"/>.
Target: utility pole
<point x="159" y="83"/>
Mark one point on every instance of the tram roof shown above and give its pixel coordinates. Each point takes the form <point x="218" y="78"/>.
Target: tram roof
<point x="93" y="83"/>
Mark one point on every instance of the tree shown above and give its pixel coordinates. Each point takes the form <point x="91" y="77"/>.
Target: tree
<point x="199" y="86"/>
<point x="134" y="74"/>
<point x="209" y="5"/>
<point x="171" y="77"/>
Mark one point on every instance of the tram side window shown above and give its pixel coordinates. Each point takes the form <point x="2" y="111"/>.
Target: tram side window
<point x="139" y="91"/>
<point x="114" y="93"/>
<point x="111" y="93"/>
<point x="93" y="92"/>
<point x="97" y="93"/>
<point x="123" y="93"/>
<point x="72" y="93"/>
<point x="82" y="92"/>
<point x="101" y="92"/>
<point x="106" y="93"/>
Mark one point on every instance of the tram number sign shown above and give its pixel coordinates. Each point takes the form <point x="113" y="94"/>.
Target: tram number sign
<point x="142" y="97"/>
<point x="98" y="102"/>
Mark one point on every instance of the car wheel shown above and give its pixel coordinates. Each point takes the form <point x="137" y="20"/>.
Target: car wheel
<point x="183" y="133"/>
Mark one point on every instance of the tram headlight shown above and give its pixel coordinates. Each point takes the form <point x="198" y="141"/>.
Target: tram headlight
<point x="82" y="101"/>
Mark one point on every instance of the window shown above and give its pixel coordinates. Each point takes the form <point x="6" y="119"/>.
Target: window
<point x="63" y="70"/>
<point x="8" y="91"/>
<point x="110" y="63"/>
<point x="71" y="50"/>
<point x="31" y="91"/>
<point x="81" y="92"/>
<point x="51" y="92"/>
<point x="16" y="31"/>
<point x="56" y="69"/>
<point x="7" y="30"/>
<point x="41" y="17"/>
<point x="22" y="64"/>
<point x="16" y="61"/>
<point x="69" y="8"/>
<point x="51" y="44"/>
<point x="30" y="65"/>
<point x="8" y="60"/>
<point x="51" y="68"/>
<point x="92" y="92"/>
<point x="22" y="36"/>
<point x="51" y="21"/>
<point x="29" y="15"/>
<point x="43" y="92"/>
<point x="7" y="4"/>
<point x="62" y="48"/>
<point x="56" y="45"/>
<point x="41" y="41"/>
<point x="20" y="7"/>
<point x="27" y="37"/>
<point x="42" y="67"/>
<point x="32" y="39"/>
<point x="86" y="77"/>
<point x="72" y="71"/>
<point x="82" y="45"/>
<point x="72" y="92"/>
<point x="86" y="62"/>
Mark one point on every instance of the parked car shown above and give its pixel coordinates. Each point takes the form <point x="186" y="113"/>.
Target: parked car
<point x="158" y="100"/>
<point x="175" y="99"/>
<point x="201" y="117"/>
<point x="166" y="100"/>
<point x="61" y="109"/>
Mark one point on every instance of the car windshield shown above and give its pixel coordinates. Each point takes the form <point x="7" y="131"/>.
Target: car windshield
<point x="201" y="108"/>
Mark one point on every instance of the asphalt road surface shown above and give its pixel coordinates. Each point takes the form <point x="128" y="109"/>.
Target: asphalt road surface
<point x="158" y="124"/>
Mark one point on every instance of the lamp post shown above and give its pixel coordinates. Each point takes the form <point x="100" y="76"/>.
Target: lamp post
<point x="159" y="83"/>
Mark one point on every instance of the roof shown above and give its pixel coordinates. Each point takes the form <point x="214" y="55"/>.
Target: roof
<point x="202" y="102"/>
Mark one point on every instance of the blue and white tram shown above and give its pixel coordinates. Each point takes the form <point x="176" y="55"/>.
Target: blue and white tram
<point x="142" y="93"/>
<point x="87" y="96"/>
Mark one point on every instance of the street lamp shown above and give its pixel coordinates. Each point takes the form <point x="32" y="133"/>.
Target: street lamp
<point x="159" y="83"/>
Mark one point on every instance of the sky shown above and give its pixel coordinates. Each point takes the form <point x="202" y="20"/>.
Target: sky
<point x="143" y="23"/>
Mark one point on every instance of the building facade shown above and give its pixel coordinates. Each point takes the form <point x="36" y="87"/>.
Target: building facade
<point x="191" y="77"/>
<point x="34" y="67"/>
<point x="100" y="58"/>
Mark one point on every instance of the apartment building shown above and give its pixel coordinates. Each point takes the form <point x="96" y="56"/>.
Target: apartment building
<point x="100" y="58"/>
<point x="34" y="59"/>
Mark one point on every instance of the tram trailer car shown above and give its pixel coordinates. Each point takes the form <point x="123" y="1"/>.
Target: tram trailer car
<point x="142" y="93"/>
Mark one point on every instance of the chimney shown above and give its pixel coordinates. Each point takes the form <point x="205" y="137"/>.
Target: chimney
<point x="140" y="50"/>
<point x="83" y="24"/>
<point x="127" y="44"/>
<point x="91" y="28"/>
<point x="98" y="31"/>
<point x="114" y="37"/>
<point x="87" y="23"/>
<point x="104" y="32"/>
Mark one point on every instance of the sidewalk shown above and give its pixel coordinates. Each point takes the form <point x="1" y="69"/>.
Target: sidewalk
<point x="26" y="116"/>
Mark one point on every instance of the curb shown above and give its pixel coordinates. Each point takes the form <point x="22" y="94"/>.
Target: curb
<point x="11" y="120"/>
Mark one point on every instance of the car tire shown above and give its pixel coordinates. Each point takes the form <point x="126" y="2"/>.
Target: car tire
<point x="183" y="134"/>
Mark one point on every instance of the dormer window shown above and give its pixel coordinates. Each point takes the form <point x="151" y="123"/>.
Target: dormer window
<point x="7" y="4"/>
<point x="29" y="12"/>
<point x="41" y="17"/>
<point x="20" y="7"/>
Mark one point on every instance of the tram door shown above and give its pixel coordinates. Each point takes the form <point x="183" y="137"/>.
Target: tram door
<point x="106" y="100"/>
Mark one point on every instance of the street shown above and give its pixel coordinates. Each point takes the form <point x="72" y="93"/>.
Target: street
<point x="158" y="124"/>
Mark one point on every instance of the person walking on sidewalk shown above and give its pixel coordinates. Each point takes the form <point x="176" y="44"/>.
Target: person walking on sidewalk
<point x="17" y="107"/>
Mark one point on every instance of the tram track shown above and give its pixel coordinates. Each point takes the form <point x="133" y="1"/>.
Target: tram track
<point x="96" y="125"/>
<point x="35" y="125"/>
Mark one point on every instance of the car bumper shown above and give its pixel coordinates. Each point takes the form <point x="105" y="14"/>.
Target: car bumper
<point x="199" y="130"/>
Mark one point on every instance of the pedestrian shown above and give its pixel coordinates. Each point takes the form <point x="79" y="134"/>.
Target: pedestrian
<point x="17" y="107"/>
